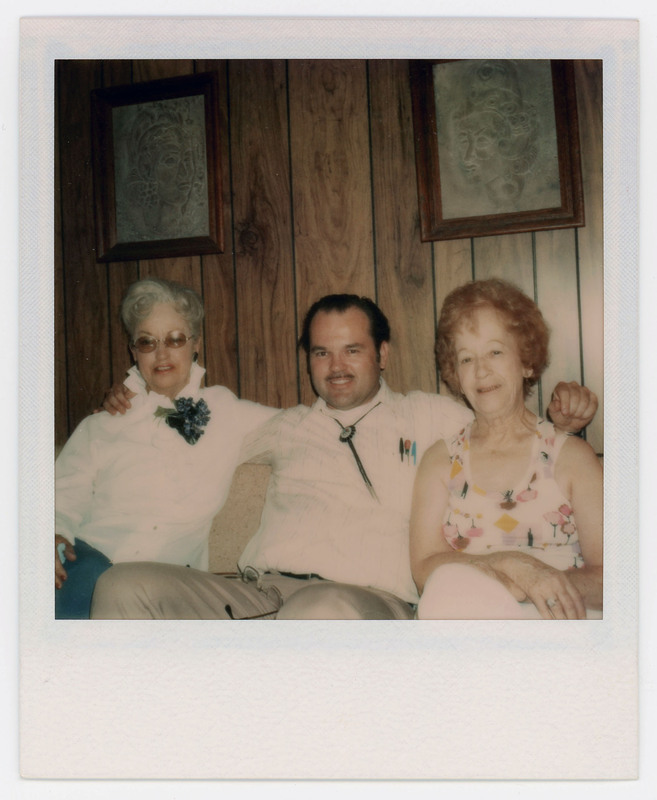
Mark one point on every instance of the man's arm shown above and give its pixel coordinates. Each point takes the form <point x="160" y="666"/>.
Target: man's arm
<point x="259" y="446"/>
<point x="572" y="406"/>
<point x="116" y="400"/>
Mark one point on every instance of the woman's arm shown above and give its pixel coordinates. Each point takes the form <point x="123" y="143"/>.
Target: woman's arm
<point x="430" y="496"/>
<point x="429" y="549"/>
<point x="74" y="479"/>
<point x="579" y="476"/>
<point x="578" y="473"/>
<point x="524" y="576"/>
<point x="68" y="552"/>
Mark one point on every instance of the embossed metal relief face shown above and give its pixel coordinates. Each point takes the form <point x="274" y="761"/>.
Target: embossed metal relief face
<point x="160" y="170"/>
<point x="499" y="136"/>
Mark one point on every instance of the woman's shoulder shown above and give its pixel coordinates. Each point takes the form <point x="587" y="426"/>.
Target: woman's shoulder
<point x="578" y="465"/>
<point x="437" y="455"/>
<point x="435" y="465"/>
<point x="562" y="443"/>
<point x="217" y="394"/>
<point x="578" y="452"/>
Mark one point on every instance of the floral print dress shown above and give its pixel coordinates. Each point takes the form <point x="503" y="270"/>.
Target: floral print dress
<point x="533" y="517"/>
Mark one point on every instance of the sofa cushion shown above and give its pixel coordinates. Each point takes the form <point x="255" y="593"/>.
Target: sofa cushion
<point x="238" y="520"/>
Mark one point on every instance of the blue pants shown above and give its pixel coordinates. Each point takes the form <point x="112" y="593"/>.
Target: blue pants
<point x="73" y="600"/>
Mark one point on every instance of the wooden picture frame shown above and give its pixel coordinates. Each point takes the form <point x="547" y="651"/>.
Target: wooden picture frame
<point x="497" y="147"/>
<point x="156" y="168"/>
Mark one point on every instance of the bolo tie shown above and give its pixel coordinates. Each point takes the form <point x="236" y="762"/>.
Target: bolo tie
<point x="347" y="434"/>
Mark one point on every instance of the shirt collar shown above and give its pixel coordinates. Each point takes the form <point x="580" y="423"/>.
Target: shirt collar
<point x="382" y="396"/>
<point x="136" y="383"/>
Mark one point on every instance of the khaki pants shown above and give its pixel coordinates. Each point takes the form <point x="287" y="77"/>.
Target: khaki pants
<point x="163" y="591"/>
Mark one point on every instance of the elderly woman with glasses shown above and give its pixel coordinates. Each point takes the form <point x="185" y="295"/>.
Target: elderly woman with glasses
<point x="507" y="515"/>
<point x="146" y="486"/>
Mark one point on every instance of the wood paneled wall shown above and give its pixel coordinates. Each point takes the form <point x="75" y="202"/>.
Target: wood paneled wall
<point x="319" y="196"/>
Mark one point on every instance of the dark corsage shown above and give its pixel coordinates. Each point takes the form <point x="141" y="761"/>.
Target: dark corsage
<point x="188" y="418"/>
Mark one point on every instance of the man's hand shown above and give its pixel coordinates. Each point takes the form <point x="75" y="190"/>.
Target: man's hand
<point x="69" y="555"/>
<point x="117" y="399"/>
<point x="572" y="406"/>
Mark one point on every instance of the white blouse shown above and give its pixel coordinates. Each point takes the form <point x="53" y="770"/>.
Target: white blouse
<point x="132" y="487"/>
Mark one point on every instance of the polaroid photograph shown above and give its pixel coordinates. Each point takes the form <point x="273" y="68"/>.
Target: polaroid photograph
<point x="266" y="164"/>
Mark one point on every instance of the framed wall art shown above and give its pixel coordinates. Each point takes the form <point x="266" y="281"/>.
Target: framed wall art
<point x="497" y="147"/>
<point x="156" y="165"/>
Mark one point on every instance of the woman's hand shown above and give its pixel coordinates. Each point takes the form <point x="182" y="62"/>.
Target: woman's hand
<point x="550" y="590"/>
<point x="484" y="565"/>
<point x="69" y="555"/>
<point x="117" y="399"/>
<point x="572" y="406"/>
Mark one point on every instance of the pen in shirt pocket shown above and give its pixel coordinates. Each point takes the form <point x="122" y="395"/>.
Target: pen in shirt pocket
<point x="408" y="449"/>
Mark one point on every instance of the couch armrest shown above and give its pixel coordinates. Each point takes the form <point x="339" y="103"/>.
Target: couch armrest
<point x="239" y="519"/>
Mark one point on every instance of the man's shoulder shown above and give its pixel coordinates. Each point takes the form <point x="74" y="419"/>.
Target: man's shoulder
<point x="433" y="416"/>
<point x="425" y="399"/>
<point x="296" y="414"/>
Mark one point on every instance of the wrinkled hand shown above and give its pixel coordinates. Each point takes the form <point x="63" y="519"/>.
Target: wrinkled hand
<point x="572" y="406"/>
<point x="503" y="578"/>
<point x="556" y="597"/>
<point x="69" y="555"/>
<point x="542" y="583"/>
<point x="117" y="399"/>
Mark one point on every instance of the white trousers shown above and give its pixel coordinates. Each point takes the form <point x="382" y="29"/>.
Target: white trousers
<point x="461" y="591"/>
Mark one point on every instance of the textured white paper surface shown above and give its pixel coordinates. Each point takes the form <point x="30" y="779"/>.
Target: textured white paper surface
<point x="339" y="700"/>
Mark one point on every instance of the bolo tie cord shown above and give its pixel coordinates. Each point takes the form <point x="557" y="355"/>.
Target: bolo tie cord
<point x="347" y="433"/>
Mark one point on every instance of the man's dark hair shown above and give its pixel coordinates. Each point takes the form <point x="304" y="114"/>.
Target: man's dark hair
<point x="379" y="325"/>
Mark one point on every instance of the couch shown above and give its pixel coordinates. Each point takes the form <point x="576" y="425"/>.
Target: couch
<point x="238" y="520"/>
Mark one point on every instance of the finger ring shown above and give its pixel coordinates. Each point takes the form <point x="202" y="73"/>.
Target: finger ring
<point x="551" y="601"/>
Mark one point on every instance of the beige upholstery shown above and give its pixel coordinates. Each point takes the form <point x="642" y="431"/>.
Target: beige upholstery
<point x="238" y="520"/>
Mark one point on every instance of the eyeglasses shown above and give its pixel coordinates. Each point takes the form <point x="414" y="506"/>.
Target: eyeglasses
<point x="146" y="344"/>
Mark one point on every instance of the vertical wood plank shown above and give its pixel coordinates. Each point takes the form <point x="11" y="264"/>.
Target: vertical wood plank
<point x="556" y="294"/>
<point x="118" y="280"/>
<point x="60" y="397"/>
<point x="85" y="283"/>
<point x="218" y="273"/>
<point x="453" y="267"/>
<point x="508" y="257"/>
<point x="153" y="69"/>
<point x="403" y="264"/>
<point x="184" y="269"/>
<point x="588" y="77"/>
<point x="263" y="236"/>
<point x="120" y="274"/>
<point x="331" y="182"/>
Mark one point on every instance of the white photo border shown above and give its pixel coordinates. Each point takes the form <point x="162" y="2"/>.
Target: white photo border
<point x="328" y="700"/>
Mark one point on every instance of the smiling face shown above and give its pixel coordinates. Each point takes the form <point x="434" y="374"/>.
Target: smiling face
<point x="489" y="367"/>
<point x="344" y="365"/>
<point x="166" y="370"/>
